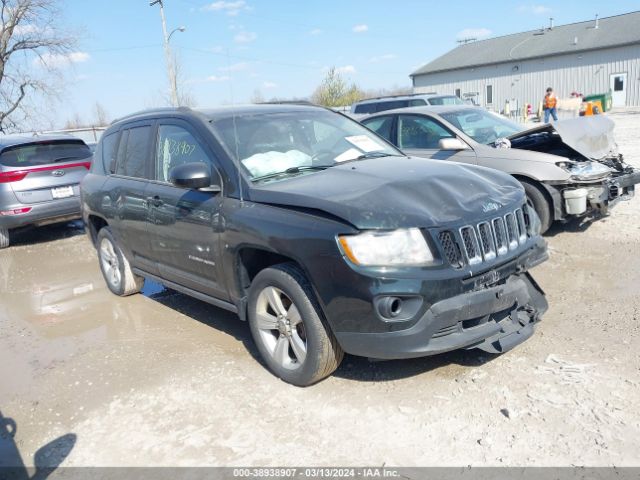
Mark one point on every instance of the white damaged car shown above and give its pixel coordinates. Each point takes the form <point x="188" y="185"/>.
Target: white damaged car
<point x="569" y="168"/>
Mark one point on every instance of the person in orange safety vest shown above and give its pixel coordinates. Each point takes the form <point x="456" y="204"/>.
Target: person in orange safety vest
<point x="549" y="104"/>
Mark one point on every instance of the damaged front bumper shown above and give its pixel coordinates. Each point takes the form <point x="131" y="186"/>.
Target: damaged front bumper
<point x="580" y="199"/>
<point x="494" y="319"/>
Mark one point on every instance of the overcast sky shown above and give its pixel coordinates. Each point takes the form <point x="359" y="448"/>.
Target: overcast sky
<point x="232" y="48"/>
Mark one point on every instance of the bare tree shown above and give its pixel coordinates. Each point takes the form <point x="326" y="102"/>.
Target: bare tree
<point x="75" y="122"/>
<point x="185" y="96"/>
<point x="101" y="118"/>
<point x="335" y="92"/>
<point x="385" y="92"/>
<point x="32" y="43"/>
<point x="257" y="96"/>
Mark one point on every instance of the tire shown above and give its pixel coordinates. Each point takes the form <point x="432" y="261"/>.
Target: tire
<point x="4" y="237"/>
<point x="540" y="204"/>
<point x="298" y="346"/>
<point x="115" y="266"/>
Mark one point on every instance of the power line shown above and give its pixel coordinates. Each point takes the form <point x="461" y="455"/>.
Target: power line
<point x="274" y="62"/>
<point x="117" y="49"/>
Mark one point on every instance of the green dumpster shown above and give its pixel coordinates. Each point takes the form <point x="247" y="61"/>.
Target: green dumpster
<point x="604" y="98"/>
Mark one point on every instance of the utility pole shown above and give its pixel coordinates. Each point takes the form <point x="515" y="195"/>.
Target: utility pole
<point x="171" y="71"/>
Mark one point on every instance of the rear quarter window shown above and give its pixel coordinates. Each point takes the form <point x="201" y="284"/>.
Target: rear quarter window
<point x="365" y="108"/>
<point x="107" y="152"/>
<point x="133" y="152"/>
<point x="44" y="153"/>
<point x="384" y="106"/>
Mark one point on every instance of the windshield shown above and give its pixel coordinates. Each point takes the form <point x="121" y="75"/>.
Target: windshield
<point x="481" y="125"/>
<point x="296" y="142"/>
<point x="449" y="100"/>
<point x="43" y="153"/>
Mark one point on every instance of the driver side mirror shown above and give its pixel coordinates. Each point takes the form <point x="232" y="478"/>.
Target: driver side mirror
<point x="452" y="144"/>
<point x="194" y="176"/>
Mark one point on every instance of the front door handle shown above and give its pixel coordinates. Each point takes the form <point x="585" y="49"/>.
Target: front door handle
<point x="156" y="201"/>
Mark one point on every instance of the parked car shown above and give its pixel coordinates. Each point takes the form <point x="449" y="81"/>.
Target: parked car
<point x="294" y="218"/>
<point x="39" y="180"/>
<point x="569" y="168"/>
<point x="381" y="104"/>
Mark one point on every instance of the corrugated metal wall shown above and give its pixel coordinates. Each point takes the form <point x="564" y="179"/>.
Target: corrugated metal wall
<point x="526" y="81"/>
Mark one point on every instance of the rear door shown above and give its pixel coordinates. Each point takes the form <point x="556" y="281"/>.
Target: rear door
<point x="127" y="187"/>
<point x="383" y="126"/>
<point x="45" y="171"/>
<point x="185" y="226"/>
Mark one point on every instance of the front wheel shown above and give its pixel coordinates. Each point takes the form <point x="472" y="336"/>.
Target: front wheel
<point x="288" y="329"/>
<point x="115" y="266"/>
<point x="540" y="204"/>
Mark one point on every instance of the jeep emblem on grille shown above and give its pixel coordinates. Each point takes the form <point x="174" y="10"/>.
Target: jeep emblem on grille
<point x="57" y="173"/>
<point x="490" y="206"/>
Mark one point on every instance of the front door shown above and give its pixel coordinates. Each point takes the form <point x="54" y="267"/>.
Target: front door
<point x="420" y="135"/>
<point x="185" y="225"/>
<point x="618" y="85"/>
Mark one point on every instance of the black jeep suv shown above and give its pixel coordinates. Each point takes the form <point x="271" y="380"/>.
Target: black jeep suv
<point x="322" y="235"/>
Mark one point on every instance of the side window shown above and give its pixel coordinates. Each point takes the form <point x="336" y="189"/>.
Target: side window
<point x="176" y="146"/>
<point x="133" y="152"/>
<point x="420" y="132"/>
<point x="381" y="125"/>
<point x="383" y="106"/>
<point x="417" y="103"/>
<point x="365" y="108"/>
<point x="108" y="146"/>
<point x="489" y="94"/>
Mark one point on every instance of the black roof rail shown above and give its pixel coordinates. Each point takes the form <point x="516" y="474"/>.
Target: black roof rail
<point x="151" y="111"/>
<point x="397" y="96"/>
<point x="287" y="102"/>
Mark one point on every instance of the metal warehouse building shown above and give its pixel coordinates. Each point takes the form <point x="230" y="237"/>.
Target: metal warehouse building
<point x="588" y="57"/>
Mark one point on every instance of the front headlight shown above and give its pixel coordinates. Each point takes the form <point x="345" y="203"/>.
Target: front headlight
<point x="585" y="171"/>
<point x="395" y="248"/>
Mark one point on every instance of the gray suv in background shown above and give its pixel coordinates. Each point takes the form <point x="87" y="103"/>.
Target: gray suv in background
<point x="39" y="178"/>
<point x="382" y="104"/>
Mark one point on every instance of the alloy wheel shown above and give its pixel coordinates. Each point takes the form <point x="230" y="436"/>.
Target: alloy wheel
<point x="281" y="328"/>
<point x="110" y="263"/>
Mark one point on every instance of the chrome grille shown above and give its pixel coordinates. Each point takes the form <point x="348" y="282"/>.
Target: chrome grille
<point x="450" y="248"/>
<point x="512" y="230"/>
<point x="500" y="235"/>
<point x="522" y="227"/>
<point x="472" y="245"/>
<point x="487" y="242"/>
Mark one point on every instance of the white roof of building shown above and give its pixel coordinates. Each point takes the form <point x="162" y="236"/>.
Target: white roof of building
<point x="574" y="37"/>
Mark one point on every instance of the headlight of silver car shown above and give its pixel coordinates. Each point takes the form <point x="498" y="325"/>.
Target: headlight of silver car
<point x="585" y="171"/>
<point x="391" y="248"/>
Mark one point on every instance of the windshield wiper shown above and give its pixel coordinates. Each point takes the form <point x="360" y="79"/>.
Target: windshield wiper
<point x="367" y="155"/>
<point x="290" y="171"/>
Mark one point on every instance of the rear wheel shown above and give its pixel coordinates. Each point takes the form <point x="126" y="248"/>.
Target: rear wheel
<point x="540" y="204"/>
<point x="4" y="237"/>
<point x="115" y="266"/>
<point x="288" y="329"/>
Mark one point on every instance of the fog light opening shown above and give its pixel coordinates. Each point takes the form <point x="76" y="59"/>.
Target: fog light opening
<point x="396" y="307"/>
<point x="390" y="307"/>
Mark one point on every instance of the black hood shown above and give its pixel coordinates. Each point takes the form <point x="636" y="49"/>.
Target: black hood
<point x="397" y="192"/>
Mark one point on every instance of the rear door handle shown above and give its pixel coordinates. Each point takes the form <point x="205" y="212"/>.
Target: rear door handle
<point x="155" y="201"/>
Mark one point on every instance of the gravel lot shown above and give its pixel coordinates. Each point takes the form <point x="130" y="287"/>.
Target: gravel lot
<point x="162" y="379"/>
